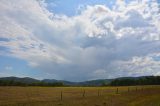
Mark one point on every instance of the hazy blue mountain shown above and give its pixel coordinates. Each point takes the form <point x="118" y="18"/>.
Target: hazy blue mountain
<point x="27" y="80"/>
<point x="98" y="82"/>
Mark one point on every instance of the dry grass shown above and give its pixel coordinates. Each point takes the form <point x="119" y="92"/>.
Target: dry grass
<point x="73" y="96"/>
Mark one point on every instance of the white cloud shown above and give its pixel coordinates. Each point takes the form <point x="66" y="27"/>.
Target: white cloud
<point x="139" y="66"/>
<point x="8" y="68"/>
<point x="77" y="46"/>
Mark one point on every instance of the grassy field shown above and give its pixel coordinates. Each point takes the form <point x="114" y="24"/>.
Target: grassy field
<point x="80" y="96"/>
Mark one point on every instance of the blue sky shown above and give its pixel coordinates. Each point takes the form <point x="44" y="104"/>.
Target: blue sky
<point x="70" y="8"/>
<point x="79" y="40"/>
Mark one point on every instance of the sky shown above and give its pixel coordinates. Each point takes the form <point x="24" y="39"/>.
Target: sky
<point x="78" y="40"/>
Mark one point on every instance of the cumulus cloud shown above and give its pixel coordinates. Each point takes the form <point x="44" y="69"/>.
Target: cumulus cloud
<point x="139" y="66"/>
<point x="92" y="44"/>
<point x="8" y="68"/>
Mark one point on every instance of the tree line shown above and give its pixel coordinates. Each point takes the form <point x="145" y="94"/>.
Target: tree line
<point x="19" y="83"/>
<point x="148" y="80"/>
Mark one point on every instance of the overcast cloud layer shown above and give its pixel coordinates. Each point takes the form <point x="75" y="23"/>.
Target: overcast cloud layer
<point x="99" y="42"/>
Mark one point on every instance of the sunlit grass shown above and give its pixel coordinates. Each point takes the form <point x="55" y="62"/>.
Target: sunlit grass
<point x="75" y="96"/>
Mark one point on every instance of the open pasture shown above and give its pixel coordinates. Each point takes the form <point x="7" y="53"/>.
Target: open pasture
<point x="80" y="96"/>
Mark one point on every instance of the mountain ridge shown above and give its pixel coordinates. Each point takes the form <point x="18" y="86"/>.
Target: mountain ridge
<point x="97" y="82"/>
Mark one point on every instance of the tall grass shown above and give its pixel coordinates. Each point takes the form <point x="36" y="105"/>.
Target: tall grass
<point x="80" y="96"/>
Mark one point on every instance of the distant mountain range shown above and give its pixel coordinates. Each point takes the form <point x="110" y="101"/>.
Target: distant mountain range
<point x="28" y="80"/>
<point x="98" y="82"/>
